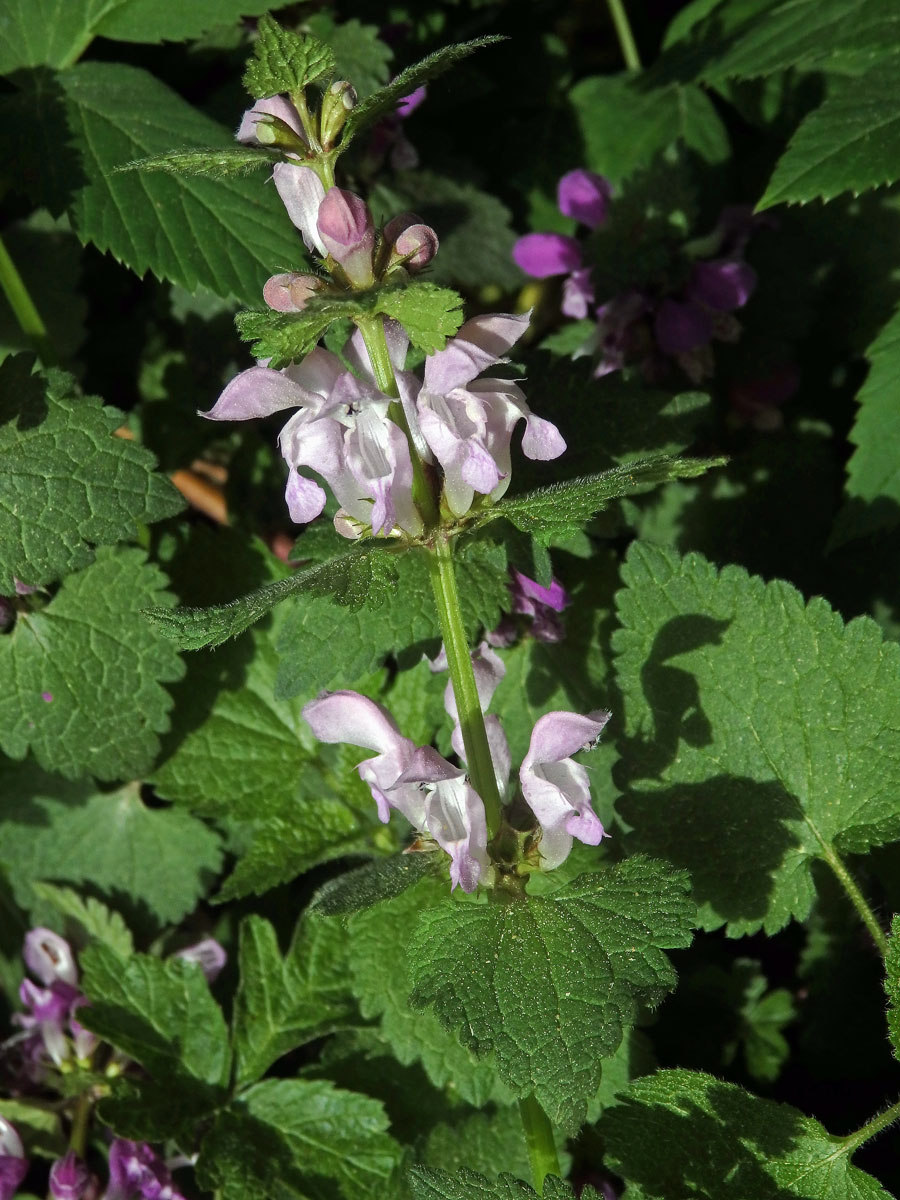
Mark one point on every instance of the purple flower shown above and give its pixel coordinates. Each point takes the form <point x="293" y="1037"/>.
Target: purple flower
<point x="137" y="1170"/>
<point x="408" y="105"/>
<point x="585" y="196"/>
<point x="722" y="285"/>
<point x="13" y="1164"/>
<point x="433" y="795"/>
<point x="488" y="670"/>
<point x="341" y="431"/>
<point x="556" y="788"/>
<point x="49" y="957"/>
<point x="347" y="232"/>
<point x="680" y="327"/>
<point x="69" y="1178"/>
<point x="542" y="604"/>
<point x="545" y="254"/>
<point x="578" y="294"/>
<point x="208" y="954"/>
<point x="467" y="423"/>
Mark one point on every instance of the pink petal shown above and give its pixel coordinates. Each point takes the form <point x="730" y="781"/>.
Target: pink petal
<point x="544" y="254"/>
<point x="345" y="716"/>
<point x="305" y="499"/>
<point x="301" y="192"/>
<point x="585" y="196"/>
<point x="258" y="392"/>
<point x="556" y="735"/>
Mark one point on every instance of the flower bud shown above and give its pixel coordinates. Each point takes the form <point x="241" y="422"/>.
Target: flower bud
<point x="348" y="233"/>
<point x="336" y="104"/>
<point x="69" y="1178"/>
<point x="585" y="196"/>
<point x="290" y="292"/>
<point x="49" y="957"/>
<point x="413" y="244"/>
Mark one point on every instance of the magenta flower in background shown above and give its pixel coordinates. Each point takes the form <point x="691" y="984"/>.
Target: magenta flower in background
<point x="136" y="1170"/>
<point x="585" y="196"/>
<point x="69" y="1178"/>
<point x="208" y="954"/>
<point x="544" y="254"/>
<point x="542" y="604"/>
<point x="13" y="1164"/>
<point x="556" y="788"/>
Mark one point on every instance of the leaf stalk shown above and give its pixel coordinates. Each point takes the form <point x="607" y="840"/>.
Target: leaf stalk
<point x="540" y="1142"/>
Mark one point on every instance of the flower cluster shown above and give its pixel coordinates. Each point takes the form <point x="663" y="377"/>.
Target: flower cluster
<point x="53" y="1035"/>
<point x="437" y="797"/>
<point x="653" y="325"/>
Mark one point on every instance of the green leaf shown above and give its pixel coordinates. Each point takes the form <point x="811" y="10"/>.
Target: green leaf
<point x="386" y="99"/>
<point x="350" y="578"/>
<point x="559" y="977"/>
<point x="428" y="1183"/>
<point x="80" y="680"/>
<point x="90" y="918"/>
<point x="323" y="644"/>
<point x="66" y="484"/>
<point x="380" y="980"/>
<point x="284" y="1002"/>
<point x="45" y="33"/>
<point x="162" y="1015"/>
<point x="657" y="117"/>
<point x="429" y="313"/>
<point x="801" y="756"/>
<point x="564" y="507"/>
<point x="224" y="163"/>
<point x="39" y="1128"/>
<point x="892" y="985"/>
<point x="284" y="61"/>
<point x="679" y="1133"/>
<point x="873" y="473"/>
<point x="491" y="1143"/>
<point x="225" y="234"/>
<point x="360" y="54"/>
<point x="156" y="861"/>
<point x="42" y="248"/>
<point x="381" y="879"/>
<point x="475" y="228"/>
<point x="293" y="1137"/>
<point x="849" y="143"/>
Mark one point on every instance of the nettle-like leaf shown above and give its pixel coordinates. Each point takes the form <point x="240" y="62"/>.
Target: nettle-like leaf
<point x="386" y="99"/>
<point x="850" y="143"/>
<point x="224" y="234"/>
<point x="492" y="1143"/>
<point x="285" y="1001"/>
<point x="431" y="1183"/>
<point x="563" y="508"/>
<point x="66" y="483"/>
<point x="90" y="918"/>
<point x="873" y="472"/>
<point x="39" y="1128"/>
<point x="322" y="644"/>
<point x="285" y="61"/>
<point x="381" y="983"/>
<point x="148" y="862"/>
<point x="550" y="983"/>
<point x="657" y="118"/>
<point x="80" y="680"/>
<point x="299" y="1137"/>
<point x="751" y="717"/>
<point x="831" y="35"/>
<point x="349" y="579"/>
<point x="430" y="315"/>
<point x="892" y="985"/>
<point x="382" y="879"/>
<point x="680" y="1133"/>
<point x="224" y="163"/>
<point x="161" y="1014"/>
<point x="38" y="33"/>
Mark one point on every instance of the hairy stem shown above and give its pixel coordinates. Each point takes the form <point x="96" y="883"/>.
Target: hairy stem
<point x="23" y="307"/>
<point x="857" y="899"/>
<point x="539" y="1139"/>
<point x="854" y="1140"/>
<point x="471" y="718"/>
<point x="80" y="1120"/>
<point x="624" y="34"/>
<point x="372" y="330"/>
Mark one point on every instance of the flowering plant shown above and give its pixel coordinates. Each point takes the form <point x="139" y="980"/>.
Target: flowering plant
<point x="445" y="754"/>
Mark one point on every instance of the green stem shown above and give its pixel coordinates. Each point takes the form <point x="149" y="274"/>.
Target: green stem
<point x="624" y="34"/>
<point x="471" y="718"/>
<point x="23" y="306"/>
<point x="854" y="1140"/>
<point x="372" y="330"/>
<point x="857" y="899"/>
<point x="539" y="1139"/>
<point x="80" y="1120"/>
